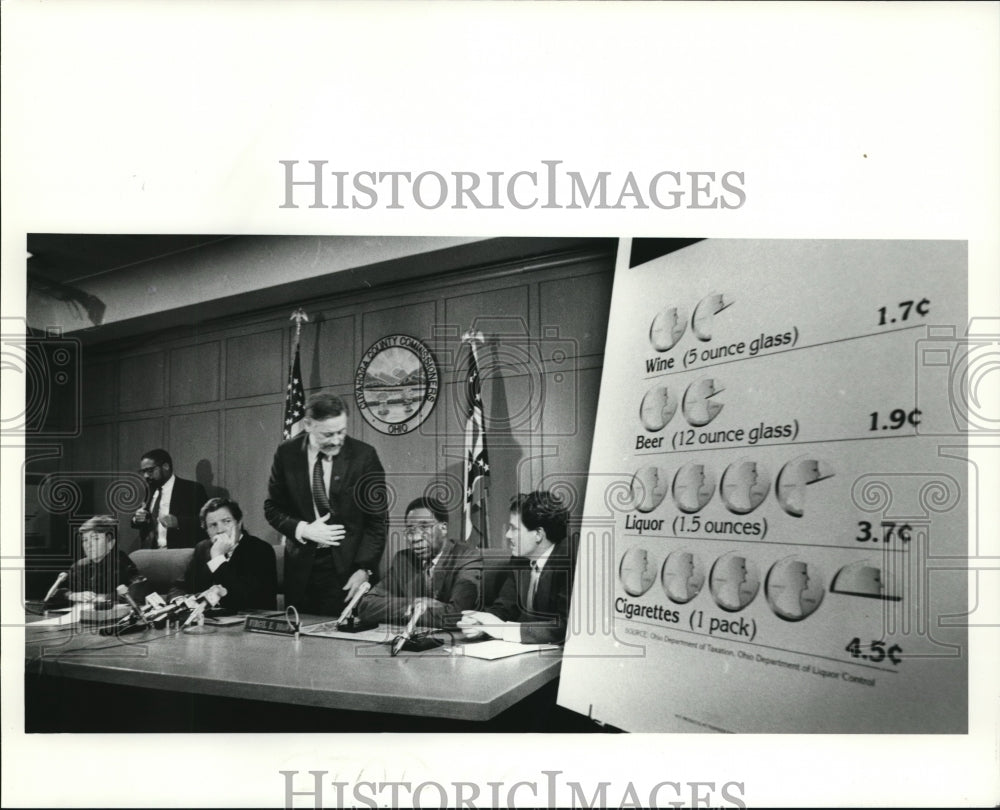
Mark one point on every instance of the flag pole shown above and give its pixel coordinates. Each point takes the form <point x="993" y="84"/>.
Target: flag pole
<point x="300" y="317"/>
<point x="474" y="337"/>
<point x="294" y="390"/>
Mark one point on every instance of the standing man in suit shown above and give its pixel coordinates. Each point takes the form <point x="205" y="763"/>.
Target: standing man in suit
<point x="533" y="602"/>
<point x="440" y="576"/>
<point x="169" y="518"/>
<point x="327" y="495"/>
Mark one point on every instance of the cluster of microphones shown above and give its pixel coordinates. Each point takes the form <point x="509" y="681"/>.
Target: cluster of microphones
<point x="186" y="610"/>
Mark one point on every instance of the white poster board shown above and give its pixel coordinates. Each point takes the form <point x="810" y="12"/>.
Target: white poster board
<point x="775" y="528"/>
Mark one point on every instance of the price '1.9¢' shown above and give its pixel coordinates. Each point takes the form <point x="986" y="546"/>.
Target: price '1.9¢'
<point x="896" y="419"/>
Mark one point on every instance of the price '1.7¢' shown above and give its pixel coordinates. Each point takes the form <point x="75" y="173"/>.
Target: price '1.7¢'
<point x="905" y="309"/>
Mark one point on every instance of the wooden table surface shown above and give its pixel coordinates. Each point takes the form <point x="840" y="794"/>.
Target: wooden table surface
<point x="310" y="671"/>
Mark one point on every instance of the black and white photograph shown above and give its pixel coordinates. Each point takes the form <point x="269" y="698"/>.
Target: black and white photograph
<point x="500" y="404"/>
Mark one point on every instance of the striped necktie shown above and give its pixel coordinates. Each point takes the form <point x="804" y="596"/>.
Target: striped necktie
<point x="320" y="498"/>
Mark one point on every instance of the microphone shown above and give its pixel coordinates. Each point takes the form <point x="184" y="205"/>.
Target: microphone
<point x="165" y="609"/>
<point x="154" y="600"/>
<point x="206" y="599"/>
<point x="213" y="595"/>
<point x="55" y="585"/>
<point x="418" y="609"/>
<point x="361" y="591"/>
<point x="122" y="591"/>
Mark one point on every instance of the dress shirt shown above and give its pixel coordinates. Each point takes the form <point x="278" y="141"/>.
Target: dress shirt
<point x="312" y="453"/>
<point x="429" y="568"/>
<point x="163" y="509"/>
<point x="511" y="631"/>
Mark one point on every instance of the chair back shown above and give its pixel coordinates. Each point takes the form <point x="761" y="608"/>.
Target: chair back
<point x="162" y="567"/>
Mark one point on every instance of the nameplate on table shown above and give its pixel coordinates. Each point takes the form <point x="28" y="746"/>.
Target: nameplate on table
<point x="274" y="625"/>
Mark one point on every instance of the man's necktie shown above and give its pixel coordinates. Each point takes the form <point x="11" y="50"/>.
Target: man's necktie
<point x="154" y="516"/>
<point x="536" y="574"/>
<point x="319" y="488"/>
<point x="154" y="504"/>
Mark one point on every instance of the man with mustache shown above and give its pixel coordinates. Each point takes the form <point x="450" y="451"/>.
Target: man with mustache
<point x="327" y="496"/>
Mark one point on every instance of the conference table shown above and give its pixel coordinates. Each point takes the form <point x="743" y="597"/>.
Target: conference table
<point x="276" y="682"/>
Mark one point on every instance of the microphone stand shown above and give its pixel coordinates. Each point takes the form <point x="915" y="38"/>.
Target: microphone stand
<point x="414" y="643"/>
<point x="348" y="622"/>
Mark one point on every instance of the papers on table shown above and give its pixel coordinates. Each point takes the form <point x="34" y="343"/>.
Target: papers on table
<point x="83" y="613"/>
<point x="380" y="634"/>
<point x="495" y="648"/>
<point x="59" y="618"/>
<point x="225" y="621"/>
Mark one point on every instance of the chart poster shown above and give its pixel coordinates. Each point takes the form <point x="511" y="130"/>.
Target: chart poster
<point x="775" y="527"/>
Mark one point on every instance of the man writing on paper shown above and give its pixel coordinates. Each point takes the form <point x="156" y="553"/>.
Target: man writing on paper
<point x="169" y="518"/>
<point x="533" y="602"/>
<point x="436" y="576"/>
<point x="233" y="558"/>
<point x="326" y="495"/>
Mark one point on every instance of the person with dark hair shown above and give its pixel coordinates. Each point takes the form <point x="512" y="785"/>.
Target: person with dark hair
<point x="435" y="575"/>
<point x="169" y="517"/>
<point x="533" y="602"/>
<point x="95" y="578"/>
<point x="233" y="558"/>
<point x="327" y="496"/>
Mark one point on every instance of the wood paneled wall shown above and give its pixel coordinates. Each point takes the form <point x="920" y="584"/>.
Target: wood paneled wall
<point x="213" y="395"/>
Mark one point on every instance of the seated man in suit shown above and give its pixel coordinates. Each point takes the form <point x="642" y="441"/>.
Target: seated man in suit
<point x="95" y="578"/>
<point x="169" y="518"/>
<point x="534" y="598"/>
<point x="243" y="564"/>
<point x="439" y="575"/>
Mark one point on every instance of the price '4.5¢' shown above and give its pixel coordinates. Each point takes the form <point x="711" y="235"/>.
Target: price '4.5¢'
<point x="875" y="652"/>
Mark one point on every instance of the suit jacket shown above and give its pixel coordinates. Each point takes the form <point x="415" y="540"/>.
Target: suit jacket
<point x="186" y="501"/>
<point x="250" y="577"/>
<point x="546" y="623"/>
<point x="357" y="501"/>
<point x="455" y="586"/>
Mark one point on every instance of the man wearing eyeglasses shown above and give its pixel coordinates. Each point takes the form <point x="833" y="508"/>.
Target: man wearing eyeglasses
<point x="169" y="517"/>
<point x="436" y="575"/>
<point x="232" y="557"/>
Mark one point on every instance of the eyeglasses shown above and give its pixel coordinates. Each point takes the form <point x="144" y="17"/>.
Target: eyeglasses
<point x="149" y="469"/>
<point x="419" y="528"/>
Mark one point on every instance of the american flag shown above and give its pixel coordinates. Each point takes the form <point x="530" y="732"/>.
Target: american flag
<point x="477" y="463"/>
<point x="295" y="399"/>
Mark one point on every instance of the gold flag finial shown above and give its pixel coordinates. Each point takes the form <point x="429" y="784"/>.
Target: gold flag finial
<point x="473" y="336"/>
<point x="300" y="317"/>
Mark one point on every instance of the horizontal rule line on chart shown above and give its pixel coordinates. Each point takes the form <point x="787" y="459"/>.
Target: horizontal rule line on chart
<point x="744" y="539"/>
<point x="658" y="375"/>
<point x="672" y="629"/>
<point x="701" y="448"/>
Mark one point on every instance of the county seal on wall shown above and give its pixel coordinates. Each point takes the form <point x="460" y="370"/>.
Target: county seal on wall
<point x="396" y="384"/>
